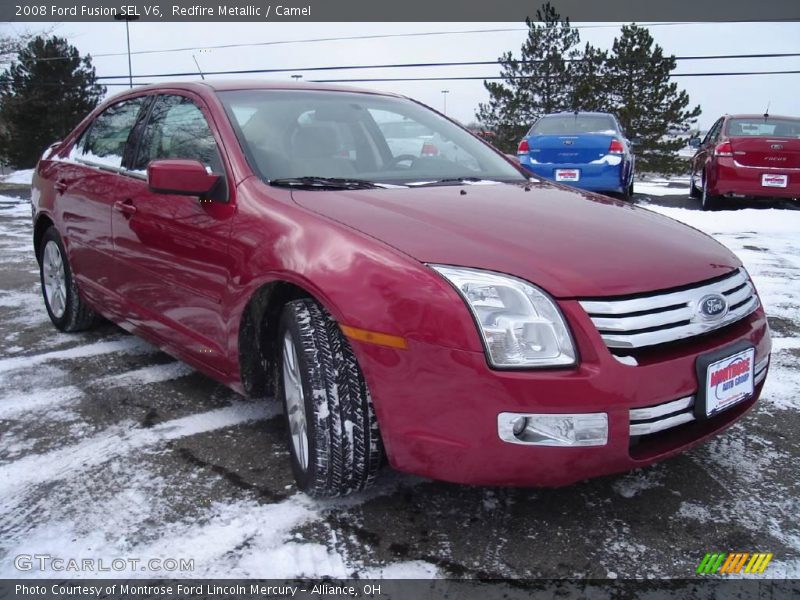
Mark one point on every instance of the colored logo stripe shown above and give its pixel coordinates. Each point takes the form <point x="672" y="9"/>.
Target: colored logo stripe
<point x="758" y="563"/>
<point x="733" y="562"/>
<point x="711" y="562"/>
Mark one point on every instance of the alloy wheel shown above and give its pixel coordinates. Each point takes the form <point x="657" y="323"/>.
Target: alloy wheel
<point x="55" y="279"/>
<point x="295" y="401"/>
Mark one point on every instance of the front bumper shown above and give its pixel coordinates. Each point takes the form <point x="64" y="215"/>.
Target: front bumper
<point x="596" y="178"/>
<point x="730" y="179"/>
<point x="438" y="407"/>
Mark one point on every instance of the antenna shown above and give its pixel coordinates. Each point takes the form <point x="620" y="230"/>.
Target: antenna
<point x="766" y="112"/>
<point x="199" y="70"/>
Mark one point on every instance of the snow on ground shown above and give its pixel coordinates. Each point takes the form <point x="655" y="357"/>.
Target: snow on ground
<point x="651" y="185"/>
<point x="651" y="188"/>
<point x="22" y="177"/>
<point x="111" y="449"/>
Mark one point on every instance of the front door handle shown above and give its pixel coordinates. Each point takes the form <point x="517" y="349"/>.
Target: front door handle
<point x="61" y="186"/>
<point x="126" y="207"/>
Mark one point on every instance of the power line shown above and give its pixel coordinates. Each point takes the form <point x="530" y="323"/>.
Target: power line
<point x="387" y="36"/>
<point x="468" y="78"/>
<point x="462" y="78"/>
<point x="376" y="36"/>
<point x="426" y="65"/>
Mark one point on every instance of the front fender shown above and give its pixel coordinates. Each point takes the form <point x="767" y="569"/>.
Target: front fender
<point x="361" y="281"/>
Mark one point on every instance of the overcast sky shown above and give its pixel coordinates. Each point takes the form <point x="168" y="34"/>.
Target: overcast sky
<point x="716" y="95"/>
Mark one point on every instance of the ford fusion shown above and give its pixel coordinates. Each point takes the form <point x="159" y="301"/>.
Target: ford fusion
<point x="747" y="156"/>
<point x="442" y="312"/>
<point x="586" y="150"/>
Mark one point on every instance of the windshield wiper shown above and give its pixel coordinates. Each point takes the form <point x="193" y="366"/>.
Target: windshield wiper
<point x="326" y="183"/>
<point x="450" y="181"/>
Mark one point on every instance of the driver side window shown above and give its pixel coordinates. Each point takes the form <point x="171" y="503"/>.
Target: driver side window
<point x="713" y="133"/>
<point x="178" y="129"/>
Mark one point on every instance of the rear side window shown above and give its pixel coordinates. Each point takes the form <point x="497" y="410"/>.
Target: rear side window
<point x="572" y="124"/>
<point x="104" y="142"/>
<point x="177" y="128"/>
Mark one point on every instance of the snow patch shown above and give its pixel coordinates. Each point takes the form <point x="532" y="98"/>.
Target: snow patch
<point x="132" y="345"/>
<point x="24" y="176"/>
<point x="117" y="440"/>
<point x="653" y="188"/>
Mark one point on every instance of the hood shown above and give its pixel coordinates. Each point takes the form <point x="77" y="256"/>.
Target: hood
<point x="570" y="243"/>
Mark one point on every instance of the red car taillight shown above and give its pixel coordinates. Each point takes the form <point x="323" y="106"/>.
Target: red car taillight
<point x="723" y="149"/>
<point x="429" y="149"/>
<point x="616" y="147"/>
<point x="523" y="147"/>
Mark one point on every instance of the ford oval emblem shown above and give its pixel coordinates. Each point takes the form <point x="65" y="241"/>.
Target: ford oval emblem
<point x="712" y="307"/>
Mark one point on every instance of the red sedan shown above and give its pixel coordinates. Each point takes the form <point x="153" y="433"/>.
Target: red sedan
<point x="747" y="156"/>
<point x="450" y="314"/>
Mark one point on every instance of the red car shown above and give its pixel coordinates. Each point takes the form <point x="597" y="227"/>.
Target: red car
<point x="747" y="156"/>
<point x="452" y="315"/>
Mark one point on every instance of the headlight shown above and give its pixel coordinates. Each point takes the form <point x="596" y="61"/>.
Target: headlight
<point x="521" y="326"/>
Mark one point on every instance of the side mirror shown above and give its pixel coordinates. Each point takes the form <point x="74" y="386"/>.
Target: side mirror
<point x="180" y="176"/>
<point x="694" y="142"/>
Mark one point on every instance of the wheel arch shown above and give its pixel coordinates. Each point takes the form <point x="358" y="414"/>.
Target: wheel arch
<point x="258" y="328"/>
<point x="42" y="224"/>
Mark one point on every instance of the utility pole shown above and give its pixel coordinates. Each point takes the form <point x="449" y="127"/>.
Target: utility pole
<point x="444" y="95"/>
<point x="128" y="18"/>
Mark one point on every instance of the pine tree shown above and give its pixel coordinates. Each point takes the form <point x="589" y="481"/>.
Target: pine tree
<point x="537" y="83"/>
<point x="45" y="92"/>
<point x="590" y="89"/>
<point x="647" y="103"/>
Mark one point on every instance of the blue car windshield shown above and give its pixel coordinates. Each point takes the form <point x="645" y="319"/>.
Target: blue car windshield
<point x="573" y="124"/>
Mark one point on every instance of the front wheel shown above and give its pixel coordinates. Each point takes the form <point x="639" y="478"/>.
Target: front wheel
<point x="334" y="441"/>
<point x="66" y="308"/>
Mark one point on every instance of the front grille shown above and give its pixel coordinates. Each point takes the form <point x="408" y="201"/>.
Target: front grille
<point x="666" y="317"/>
<point x="652" y="419"/>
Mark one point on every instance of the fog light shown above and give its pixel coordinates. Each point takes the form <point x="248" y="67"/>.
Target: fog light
<point x="518" y="425"/>
<point x="585" y="429"/>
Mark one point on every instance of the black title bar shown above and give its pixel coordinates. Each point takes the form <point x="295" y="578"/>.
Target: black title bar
<point x="405" y="10"/>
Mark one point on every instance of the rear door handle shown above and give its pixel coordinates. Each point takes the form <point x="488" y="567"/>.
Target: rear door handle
<point x="126" y="207"/>
<point x="61" y="185"/>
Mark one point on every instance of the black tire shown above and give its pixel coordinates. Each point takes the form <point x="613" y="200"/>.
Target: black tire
<point x="627" y="193"/>
<point x="344" y="448"/>
<point x="74" y="314"/>
<point x="707" y="201"/>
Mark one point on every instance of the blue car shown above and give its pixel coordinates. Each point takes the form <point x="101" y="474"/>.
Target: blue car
<point x="587" y="150"/>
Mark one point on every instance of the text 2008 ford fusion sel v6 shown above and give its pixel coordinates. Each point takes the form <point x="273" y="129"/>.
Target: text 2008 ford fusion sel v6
<point x="439" y="310"/>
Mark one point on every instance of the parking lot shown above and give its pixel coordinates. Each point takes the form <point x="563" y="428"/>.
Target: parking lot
<point x="110" y="448"/>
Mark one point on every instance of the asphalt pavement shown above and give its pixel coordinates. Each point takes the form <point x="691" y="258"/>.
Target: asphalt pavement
<point x="111" y="447"/>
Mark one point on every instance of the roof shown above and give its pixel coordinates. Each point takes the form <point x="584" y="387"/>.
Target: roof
<point x="223" y="85"/>
<point x="579" y="112"/>
<point x="761" y="116"/>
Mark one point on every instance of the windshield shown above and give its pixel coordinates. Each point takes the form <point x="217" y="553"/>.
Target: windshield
<point x="764" y="127"/>
<point x="572" y="123"/>
<point x="289" y="134"/>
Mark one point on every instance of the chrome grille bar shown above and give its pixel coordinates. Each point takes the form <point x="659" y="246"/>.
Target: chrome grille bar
<point x="661" y="318"/>
<point x="652" y="419"/>
<point x="656" y="426"/>
<point x="652" y="412"/>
